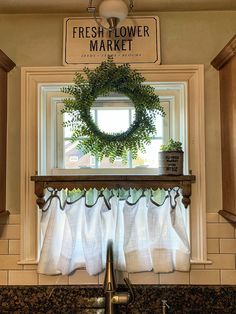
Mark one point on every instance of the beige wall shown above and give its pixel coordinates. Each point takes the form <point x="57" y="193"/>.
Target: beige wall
<point x="186" y="37"/>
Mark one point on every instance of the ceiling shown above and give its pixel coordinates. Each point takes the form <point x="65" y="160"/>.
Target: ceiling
<point x="80" y="6"/>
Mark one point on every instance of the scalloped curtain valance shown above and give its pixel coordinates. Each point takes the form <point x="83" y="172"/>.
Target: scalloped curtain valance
<point x="148" y="229"/>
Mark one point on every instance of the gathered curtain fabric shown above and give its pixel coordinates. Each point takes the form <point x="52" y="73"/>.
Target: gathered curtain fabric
<point x="149" y="231"/>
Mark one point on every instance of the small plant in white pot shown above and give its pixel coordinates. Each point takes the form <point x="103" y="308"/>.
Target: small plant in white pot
<point x="171" y="158"/>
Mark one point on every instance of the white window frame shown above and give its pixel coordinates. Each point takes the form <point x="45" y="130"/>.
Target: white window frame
<point x="192" y="76"/>
<point x="51" y="151"/>
<point x="50" y="97"/>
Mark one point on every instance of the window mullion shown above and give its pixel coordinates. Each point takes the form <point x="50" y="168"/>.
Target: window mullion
<point x="129" y="157"/>
<point x="96" y="122"/>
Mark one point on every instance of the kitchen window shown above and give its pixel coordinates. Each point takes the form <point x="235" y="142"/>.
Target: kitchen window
<point x="113" y="113"/>
<point x="40" y="84"/>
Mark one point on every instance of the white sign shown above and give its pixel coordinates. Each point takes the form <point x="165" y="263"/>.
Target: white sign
<point x="136" y="40"/>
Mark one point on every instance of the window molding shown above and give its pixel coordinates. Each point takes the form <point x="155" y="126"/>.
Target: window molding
<point x="33" y="77"/>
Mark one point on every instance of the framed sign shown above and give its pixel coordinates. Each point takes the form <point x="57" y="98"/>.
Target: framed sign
<point x="136" y="40"/>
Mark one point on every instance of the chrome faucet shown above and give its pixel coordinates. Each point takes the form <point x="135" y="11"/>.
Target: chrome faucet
<point x="112" y="297"/>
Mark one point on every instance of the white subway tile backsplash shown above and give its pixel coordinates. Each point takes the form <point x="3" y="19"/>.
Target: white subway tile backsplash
<point x="212" y="217"/>
<point x="81" y="277"/>
<point x="228" y="277"/>
<point x="24" y="277"/>
<point x="197" y="266"/>
<point x="221" y="246"/>
<point x="14" y="247"/>
<point x="53" y="280"/>
<point x="3" y="277"/>
<point x="11" y="219"/>
<point x="205" y="277"/>
<point x="10" y="262"/>
<point x="14" y="219"/>
<point x="4" y="246"/>
<point x="221" y="261"/>
<point x="9" y="231"/>
<point x="101" y="277"/>
<point x="178" y="278"/>
<point x="30" y="267"/>
<point x="227" y="245"/>
<point x="213" y="245"/>
<point x="220" y="230"/>
<point x="4" y="218"/>
<point x="146" y="278"/>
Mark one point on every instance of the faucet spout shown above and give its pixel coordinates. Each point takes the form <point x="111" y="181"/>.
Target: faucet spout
<point x="109" y="284"/>
<point x="112" y="297"/>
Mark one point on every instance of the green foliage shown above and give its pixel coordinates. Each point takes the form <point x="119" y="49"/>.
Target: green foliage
<point x="107" y="78"/>
<point x="171" y="146"/>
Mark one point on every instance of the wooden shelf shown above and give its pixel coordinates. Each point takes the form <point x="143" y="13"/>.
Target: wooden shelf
<point x="227" y="215"/>
<point x="112" y="182"/>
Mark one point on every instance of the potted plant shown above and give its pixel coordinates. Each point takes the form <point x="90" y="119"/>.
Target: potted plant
<point x="171" y="158"/>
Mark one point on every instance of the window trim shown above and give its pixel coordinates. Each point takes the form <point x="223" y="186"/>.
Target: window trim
<point x="33" y="77"/>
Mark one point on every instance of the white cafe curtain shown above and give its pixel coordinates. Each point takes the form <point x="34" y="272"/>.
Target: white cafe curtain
<point x="147" y="228"/>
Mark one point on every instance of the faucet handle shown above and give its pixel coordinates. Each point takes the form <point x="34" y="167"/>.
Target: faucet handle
<point x="164" y="303"/>
<point x="131" y="290"/>
<point x="164" y="306"/>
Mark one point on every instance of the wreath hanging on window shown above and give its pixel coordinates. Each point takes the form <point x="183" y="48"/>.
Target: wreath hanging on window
<point x="105" y="79"/>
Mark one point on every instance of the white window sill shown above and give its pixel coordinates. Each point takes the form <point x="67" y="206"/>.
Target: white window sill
<point x="200" y="262"/>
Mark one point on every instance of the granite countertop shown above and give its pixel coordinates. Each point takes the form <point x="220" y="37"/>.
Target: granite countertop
<point x="86" y="299"/>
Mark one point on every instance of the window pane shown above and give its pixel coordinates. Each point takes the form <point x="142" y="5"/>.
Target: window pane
<point x="105" y="163"/>
<point x="75" y="158"/>
<point x="150" y="158"/>
<point x="113" y="121"/>
<point x="159" y="123"/>
<point x="67" y="130"/>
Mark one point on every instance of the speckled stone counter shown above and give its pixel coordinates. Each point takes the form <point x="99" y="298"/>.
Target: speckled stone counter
<point x="84" y="299"/>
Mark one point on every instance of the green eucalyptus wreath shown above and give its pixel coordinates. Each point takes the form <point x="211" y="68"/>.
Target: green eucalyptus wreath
<point x="105" y="79"/>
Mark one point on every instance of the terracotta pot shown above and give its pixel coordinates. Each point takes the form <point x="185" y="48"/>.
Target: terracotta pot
<point x="171" y="163"/>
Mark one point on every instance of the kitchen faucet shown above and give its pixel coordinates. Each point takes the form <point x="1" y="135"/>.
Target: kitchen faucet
<point x="112" y="297"/>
